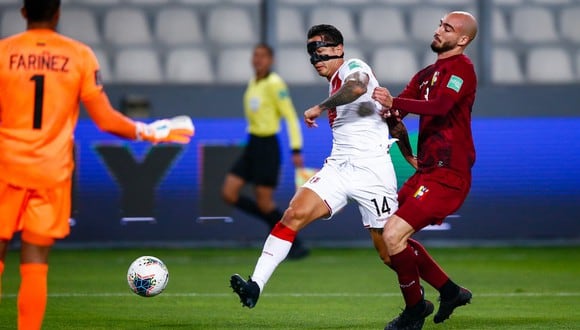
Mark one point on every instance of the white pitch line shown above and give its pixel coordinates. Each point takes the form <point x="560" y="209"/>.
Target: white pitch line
<point x="320" y="295"/>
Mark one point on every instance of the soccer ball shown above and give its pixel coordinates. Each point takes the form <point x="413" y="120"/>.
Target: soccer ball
<point x="147" y="276"/>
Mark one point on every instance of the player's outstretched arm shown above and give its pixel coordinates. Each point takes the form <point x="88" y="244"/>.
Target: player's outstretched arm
<point x="178" y="129"/>
<point x="354" y="86"/>
<point x="175" y="130"/>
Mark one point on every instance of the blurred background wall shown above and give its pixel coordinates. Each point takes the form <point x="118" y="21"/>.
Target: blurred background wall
<point x="169" y="57"/>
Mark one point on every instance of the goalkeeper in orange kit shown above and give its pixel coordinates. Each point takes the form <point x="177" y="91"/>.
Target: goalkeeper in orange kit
<point x="43" y="77"/>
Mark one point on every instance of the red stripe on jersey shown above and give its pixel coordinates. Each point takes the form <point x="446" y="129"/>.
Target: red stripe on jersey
<point x="283" y="232"/>
<point x="335" y="84"/>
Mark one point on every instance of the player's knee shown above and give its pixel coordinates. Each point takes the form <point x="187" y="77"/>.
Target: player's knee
<point x="295" y="217"/>
<point x="392" y="239"/>
<point x="289" y="214"/>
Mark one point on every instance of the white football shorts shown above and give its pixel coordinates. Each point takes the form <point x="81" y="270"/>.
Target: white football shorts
<point x="370" y="182"/>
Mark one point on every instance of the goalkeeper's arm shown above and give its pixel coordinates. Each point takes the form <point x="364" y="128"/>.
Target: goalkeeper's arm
<point x="177" y="130"/>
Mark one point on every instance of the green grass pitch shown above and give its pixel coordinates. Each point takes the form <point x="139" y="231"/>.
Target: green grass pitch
<point x="514" y="288"/>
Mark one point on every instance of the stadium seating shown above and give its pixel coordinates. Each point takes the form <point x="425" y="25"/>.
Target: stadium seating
<point x="138" y="65"/>
<point x="240" y="29"/>
<point x="189" y="65"/>
<point x="339" y="17"/>
<point x="80" y="24"/>
<point x="507" y="2"/>
<point x="429" y="57"/>
<point x="553" y="2"/>
<point x="197" y="2"/>
<point x="549" y="65"/>
<point x="570" y="23"/>
<point x="148" y="2"/>
<point x="424" y="21"/>
<point x="351" y="2"/>
<point x="234" y="65"/>
<point x="293" y="65"/>
<point x="244" y="2"/>
<point x="99" y="2"/>
<point x="127" y="27"/>
<point x="300" y="2"/>
<point x="178" y="26"/>
<point x="533" y="25"/>
<point x="105" y="65"/>
<point x="394" y="65"/>
<point x="499" y="27"/>
<point x="175" y="28"/>
<point x="577" y="60"/>
<point x="506" y="67"/>
<point x="355" y="52"/>
<point x="400" y="2"/>
<point x="451" y="2"/>
<point x="290" y="27"/>
<point x="12" y="22"/>
<point x="382" y="25"/>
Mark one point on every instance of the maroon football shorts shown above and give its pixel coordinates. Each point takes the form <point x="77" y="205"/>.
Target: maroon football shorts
<point x="428" y="198"/>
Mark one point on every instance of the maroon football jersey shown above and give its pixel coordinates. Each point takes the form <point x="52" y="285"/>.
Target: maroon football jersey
<point x="443" y="94"/>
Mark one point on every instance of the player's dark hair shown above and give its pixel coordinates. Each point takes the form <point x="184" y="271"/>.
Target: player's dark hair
<point x="328" y="33"/>
<point x="41" y="10"/>
<point x="267" y="47"/>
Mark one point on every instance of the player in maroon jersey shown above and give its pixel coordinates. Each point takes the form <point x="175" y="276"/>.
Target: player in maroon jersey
<point x="442" y="94"/>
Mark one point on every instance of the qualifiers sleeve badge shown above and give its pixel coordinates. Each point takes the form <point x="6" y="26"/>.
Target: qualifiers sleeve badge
<point x="455" y="83"/>
<point x="98" y="78"/>
<point x="354" y="64"/>
<point x="283" y="94"/>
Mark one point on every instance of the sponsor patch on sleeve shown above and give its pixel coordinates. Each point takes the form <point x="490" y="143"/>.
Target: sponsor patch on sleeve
<point x="455" y="83"/>
<point x="354" y="64"/>
<point x="283" y="94"/>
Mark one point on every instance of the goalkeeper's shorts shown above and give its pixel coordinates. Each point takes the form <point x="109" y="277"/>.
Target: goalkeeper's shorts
<point x="43" y="212"/>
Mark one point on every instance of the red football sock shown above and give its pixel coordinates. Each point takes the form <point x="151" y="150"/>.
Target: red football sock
<point x="32" y="296"/>
<point x="429" y="270"/>
<point x="283" y="232"/>
<point x="405" y="264"/>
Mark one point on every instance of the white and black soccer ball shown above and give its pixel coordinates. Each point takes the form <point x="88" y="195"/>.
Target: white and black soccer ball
<point x="147" y="276"/>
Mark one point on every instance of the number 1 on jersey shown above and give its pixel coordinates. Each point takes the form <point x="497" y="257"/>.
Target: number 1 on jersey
<point x="38" y="100"/>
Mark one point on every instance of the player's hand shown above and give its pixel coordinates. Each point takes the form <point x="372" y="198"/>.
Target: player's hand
<point x="412" y="160"/>
<point x="178" y="129"/>
<point x="388" y="113"/>
<point x="383" y="96"/>
<point x="311" y="114"/>
<point x="297" y="160"/>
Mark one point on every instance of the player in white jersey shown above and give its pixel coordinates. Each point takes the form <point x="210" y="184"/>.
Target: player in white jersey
<point x="359" y="167"/>
<point x="357" y="128"/>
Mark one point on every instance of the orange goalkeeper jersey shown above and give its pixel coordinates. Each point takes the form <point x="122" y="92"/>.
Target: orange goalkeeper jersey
<point x="43" y="76"/>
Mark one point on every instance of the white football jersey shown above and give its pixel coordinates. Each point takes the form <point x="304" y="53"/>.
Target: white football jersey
<point x="358" y="129"/>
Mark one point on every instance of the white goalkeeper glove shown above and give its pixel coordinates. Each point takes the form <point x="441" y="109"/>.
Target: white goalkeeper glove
<point x="178" y="129"/>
